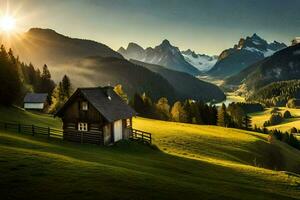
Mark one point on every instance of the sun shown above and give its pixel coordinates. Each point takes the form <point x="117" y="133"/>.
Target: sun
<point x="7" y="23"/>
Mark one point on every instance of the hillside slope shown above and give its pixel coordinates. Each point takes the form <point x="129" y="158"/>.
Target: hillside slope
<point x="45" y="46"/>
<point x="205" y="164"/>
<point x="283" y="65"/>
<point x="95" y="71"/>
<point x="187" y="85"/>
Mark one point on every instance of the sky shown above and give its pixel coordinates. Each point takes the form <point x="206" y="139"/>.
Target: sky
<point x="206" y="26"/>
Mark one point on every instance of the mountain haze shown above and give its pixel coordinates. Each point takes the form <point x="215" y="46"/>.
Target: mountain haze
<point x="45" y="46"/>
<point x="89" y="64"/>
<point x="185" y="84"/>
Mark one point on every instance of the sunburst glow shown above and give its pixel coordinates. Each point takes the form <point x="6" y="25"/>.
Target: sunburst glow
<point x="7" y="23"/>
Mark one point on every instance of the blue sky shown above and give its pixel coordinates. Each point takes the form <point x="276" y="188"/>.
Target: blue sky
<point x="206" y="26"/>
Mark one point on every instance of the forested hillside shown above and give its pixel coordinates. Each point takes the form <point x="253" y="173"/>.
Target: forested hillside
<point x="187" y="85"/>
<point x="277" y="93"/>
<point x="282" y="66"/>
<point x="18" y="78"/>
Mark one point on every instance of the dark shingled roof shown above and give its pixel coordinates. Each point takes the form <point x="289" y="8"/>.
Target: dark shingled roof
<point x="106" y="101"/>
<point x="35" y="98"/>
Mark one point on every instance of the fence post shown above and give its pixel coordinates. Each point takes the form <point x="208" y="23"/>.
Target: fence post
<point x="48" y="132"/>
<point x="142" y="136"/>
<point x="150" y="138"/>
<point x="81" y="138"/>
<point x="32" y="129"/>
<point x="19" y="128"/>
<point x="5" y="126"/>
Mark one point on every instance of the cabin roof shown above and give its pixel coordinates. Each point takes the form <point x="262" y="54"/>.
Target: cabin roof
<point x="105" y="101"/>
<point x="35" y="98"/>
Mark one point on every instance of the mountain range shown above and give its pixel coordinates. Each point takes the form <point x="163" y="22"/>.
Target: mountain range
<point x="89" y="63"/>
<point x="165" y="55"/>
<point x="282" y="66"/>
<point x="248" y="51"/>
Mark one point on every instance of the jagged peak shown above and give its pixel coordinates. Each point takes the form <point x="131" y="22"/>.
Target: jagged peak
<point x="166" y="43"/>
<point x="121" y="49"/>
<point x="133" y="45"/>
<point x="188" y="52"/>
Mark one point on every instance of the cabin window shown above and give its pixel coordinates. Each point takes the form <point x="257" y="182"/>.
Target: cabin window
<point x="82" y="126"/>
<point x="84" y="105"/>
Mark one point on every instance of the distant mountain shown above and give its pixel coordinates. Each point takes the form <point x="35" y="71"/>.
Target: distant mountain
<point x="41" y="46"/>
<point x="101" y="71"/>
<point x="201" y="61"/>
<point x="283" y="65"/>
<point x="248" y="51"/>
<point x="164" y="54"/>
<point x="185" y="84"/>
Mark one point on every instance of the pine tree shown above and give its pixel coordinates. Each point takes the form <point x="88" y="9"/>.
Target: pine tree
<point x="188" y="111"/>
<point x="66" y="86"/>
<point x="223" y="118"/>
<point x="60" y="94"/>
<point x="10" y="83"/>
<point x="46" y="84"/>
<point x="247" y="122"/>
<point x="138" y="104"/>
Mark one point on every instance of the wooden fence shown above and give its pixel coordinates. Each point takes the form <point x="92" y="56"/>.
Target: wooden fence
<point x="141" y="136"/>
<point x="32" y="129"/>
<point x="56" y="133"/>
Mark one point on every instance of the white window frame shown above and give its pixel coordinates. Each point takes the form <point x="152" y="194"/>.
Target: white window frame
<point x="84" y="105"/>
<point x="82" y="127"/>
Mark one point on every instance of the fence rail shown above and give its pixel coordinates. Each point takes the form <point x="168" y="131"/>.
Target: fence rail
<point x="56" y="133"/>
<point x="141" y="136"/>
<point x="32" y="129"/>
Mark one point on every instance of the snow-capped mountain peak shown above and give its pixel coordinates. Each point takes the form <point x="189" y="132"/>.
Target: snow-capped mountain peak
<point x="164" y="54"/>
<point x="248" y="51"/>
<point x="201" y="61"/>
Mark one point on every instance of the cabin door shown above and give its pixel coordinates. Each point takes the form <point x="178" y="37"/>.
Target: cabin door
<point x="118" y="130"/>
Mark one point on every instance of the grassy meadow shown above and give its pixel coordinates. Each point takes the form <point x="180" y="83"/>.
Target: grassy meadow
<point x="260" y="117"/>
<point x="191" y="162"/>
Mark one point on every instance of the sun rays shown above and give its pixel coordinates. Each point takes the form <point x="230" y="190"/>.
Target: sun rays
<point x="7" y="23"/>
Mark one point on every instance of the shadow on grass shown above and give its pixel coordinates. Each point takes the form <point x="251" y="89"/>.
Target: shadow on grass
<point x="191" y="177"/>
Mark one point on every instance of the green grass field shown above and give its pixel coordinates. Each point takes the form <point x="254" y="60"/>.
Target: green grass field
<point x="260" y="117"/>
<point x="193" y="162"/>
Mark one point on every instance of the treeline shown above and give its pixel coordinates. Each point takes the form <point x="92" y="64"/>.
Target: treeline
<point x="277" y="93"/>
<point x="234" y="116"/>
<point x="18" y="78"/>
<point x="189" y="111"/>
<point x="286" y="137"/>
<point x="277" y="117"/>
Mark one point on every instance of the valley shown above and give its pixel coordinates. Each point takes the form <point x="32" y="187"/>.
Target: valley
<point x="138" y="100"/>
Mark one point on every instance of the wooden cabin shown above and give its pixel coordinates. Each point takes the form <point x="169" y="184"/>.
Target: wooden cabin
<point x="96" y="115"/>
<point x="36" y="101"/>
